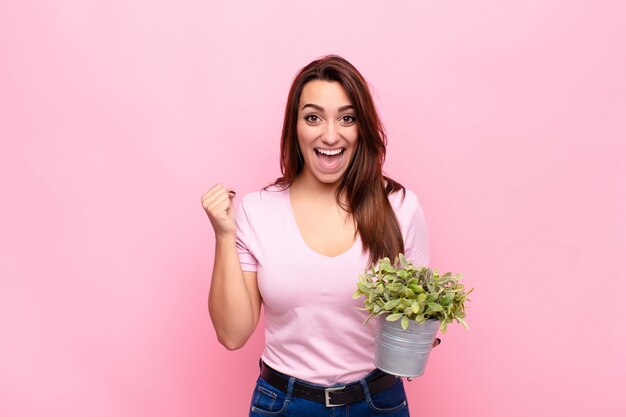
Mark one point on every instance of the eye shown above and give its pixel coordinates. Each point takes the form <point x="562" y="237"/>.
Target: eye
<point x="312" y="118"/>
<point x="348" y="119"/>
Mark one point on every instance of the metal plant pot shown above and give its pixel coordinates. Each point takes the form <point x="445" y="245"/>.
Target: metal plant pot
<point x="404" y="352"/>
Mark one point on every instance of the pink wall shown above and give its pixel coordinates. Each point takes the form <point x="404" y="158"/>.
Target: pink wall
<point x="507" y="118"/>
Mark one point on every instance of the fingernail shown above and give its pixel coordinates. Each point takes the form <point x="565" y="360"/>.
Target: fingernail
<point x="438" y="340"/>
<point x="232" y="193"/>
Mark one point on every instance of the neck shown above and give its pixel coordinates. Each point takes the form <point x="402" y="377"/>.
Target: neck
<point x="311" y="186"/>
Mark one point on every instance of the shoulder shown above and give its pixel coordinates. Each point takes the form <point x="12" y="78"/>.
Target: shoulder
<point x="412" y="223"/>
<point x="407" y="208"/>
<point x="263" y="200"/>
<point x="404" y="201"/>
<point x="265" y="195"/>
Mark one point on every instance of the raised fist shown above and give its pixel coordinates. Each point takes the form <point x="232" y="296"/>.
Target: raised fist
<point x="217" y="203"/>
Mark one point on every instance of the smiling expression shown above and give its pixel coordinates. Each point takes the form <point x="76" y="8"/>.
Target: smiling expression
<point x="327" y="131"/>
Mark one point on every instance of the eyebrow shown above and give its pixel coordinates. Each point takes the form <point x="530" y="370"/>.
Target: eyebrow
<point x="320" y="108"/>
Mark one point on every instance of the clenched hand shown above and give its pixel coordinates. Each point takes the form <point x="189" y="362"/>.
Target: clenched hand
<point x="217" y="203"/>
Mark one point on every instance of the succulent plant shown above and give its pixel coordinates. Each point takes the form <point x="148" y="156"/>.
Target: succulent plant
<point x="405" y="292"/>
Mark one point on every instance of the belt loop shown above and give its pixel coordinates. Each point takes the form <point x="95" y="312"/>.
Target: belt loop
<point x="292" y="380"/>
<point x="366" y="390"/>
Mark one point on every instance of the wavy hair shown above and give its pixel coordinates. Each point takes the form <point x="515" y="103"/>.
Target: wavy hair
<point x="364" y="185"/>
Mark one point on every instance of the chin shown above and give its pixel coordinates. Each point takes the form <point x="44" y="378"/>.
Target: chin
<point x="329" y="179"/>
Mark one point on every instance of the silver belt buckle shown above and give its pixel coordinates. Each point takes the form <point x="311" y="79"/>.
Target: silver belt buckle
<point x="327" y="392"/>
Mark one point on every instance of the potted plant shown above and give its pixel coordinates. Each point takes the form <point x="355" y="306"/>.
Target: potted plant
<point x="411" y="304"/>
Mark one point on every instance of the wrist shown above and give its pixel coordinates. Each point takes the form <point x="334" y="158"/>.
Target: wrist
<point x="225" y="238"/>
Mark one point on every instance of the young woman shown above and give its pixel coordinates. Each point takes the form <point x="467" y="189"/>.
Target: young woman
<point x="297" y="247"/>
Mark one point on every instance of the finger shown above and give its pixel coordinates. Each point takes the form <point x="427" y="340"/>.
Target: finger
<point x="220" y="203"/>
<point x="215" y="190"/>
<point x="221" y="208"/>
<point x="213" y="194"/>
<point x="232" y="194"/>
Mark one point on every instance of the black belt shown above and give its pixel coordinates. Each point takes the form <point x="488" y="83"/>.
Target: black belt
<point x="331" y="396"/>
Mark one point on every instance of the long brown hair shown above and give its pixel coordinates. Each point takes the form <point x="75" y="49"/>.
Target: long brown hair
<point x="365" y="187"/>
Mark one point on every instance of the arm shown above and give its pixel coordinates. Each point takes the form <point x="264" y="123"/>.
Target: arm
<point x="416" y="240"/>
<point x="415" y="230"/>
<point x="234" y="299"/>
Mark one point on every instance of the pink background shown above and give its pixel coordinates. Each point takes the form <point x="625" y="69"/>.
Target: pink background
<point x="508" y="119"/>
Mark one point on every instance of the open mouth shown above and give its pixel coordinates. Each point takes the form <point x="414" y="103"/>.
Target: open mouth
<point x="330" y="158"/>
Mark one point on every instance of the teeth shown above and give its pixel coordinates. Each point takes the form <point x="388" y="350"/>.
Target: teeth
<point x="330" y="152"/>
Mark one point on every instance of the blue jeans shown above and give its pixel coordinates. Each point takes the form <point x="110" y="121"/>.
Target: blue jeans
<point x="269" y="401"/>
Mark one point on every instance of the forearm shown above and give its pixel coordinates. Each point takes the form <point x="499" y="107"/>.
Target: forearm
<point x="230" y="302"/>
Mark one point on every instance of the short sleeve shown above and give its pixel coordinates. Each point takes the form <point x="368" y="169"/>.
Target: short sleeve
<point x="414" y="230"/>
<point x="245" y="236"/>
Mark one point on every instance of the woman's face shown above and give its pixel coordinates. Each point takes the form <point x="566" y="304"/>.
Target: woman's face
<point x="327" y="130"/>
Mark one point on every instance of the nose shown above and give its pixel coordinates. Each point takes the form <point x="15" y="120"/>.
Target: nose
<point x="331" y="134"/>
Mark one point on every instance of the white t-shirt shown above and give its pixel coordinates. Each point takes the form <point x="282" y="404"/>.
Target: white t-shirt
<point x="313" y="329"/>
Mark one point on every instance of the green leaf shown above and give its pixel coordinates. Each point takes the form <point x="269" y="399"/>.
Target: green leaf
<point x="363" y="287"/>
<point x="365" y="277"/>
<point x="405" y="322"/>
<point x="435" y="307"/>
<point x="463" y="323"/>
<point x="415" y="307"/>
<point x="394" y="317"/>
<point x="386" y="267"/>
<point x="447" y="298"/>
<point x="391" y="304"/>
<point x="417" y="289"/>
<point x="443" y="327"/>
